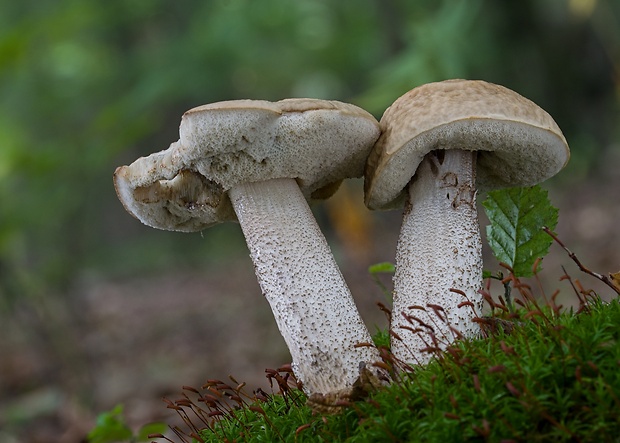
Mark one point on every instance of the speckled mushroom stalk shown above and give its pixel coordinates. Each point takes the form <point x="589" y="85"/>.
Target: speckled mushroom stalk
<point x="441" y="142"/>
<point x="439" y="248"/>
<point x="299" y="277"/>
<point x="260" y="163"/>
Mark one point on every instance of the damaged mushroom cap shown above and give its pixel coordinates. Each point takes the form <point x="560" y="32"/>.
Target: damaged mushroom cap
<point x="316" y="142"/>
<point x="258" y="162"/>
<point x="518" y="143"/>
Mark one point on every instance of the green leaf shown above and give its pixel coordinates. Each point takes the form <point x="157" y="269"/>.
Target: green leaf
<point x="517" y="216"/>
<point x="110" y="427"/>
<point x="487" y="274"/>
<point x="382" y="268"/>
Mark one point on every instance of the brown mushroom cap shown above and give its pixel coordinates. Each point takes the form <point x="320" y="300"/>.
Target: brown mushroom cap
<point x="518" y="143"/>
<point x="316" y="142"/>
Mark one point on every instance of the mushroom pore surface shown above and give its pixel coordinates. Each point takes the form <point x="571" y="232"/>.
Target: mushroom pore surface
<point x="316" y="142"/>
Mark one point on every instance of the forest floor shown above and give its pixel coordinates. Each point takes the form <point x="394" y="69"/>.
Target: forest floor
<point x="134" y="341"/>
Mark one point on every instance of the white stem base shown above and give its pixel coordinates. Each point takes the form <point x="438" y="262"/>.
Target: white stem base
<point x="298" y="275"/>
<point x="439" y="249"/>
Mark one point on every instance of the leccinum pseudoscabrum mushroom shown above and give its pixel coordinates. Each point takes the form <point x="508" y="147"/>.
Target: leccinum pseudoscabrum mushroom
<point x="258" y="162"/>
<point x="441" y="142"/>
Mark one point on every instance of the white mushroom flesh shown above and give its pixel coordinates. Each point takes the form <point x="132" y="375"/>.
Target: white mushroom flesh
<point x="300" y="279"/>
<point x="439" y="249"/>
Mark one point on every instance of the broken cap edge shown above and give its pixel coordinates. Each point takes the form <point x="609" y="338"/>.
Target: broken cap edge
<point x="180" y="204"/>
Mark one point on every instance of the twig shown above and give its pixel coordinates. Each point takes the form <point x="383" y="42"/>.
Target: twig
<point x="572" y="255"/>
<point x="581" y="297"/>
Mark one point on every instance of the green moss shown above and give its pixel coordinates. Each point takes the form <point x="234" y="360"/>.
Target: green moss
<point x="553" y="378"/>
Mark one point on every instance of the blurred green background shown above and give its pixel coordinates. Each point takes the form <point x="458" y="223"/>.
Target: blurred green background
<point x="86" y="86"/>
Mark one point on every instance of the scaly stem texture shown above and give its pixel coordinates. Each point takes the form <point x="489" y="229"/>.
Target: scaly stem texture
<point x="439" y="249"/>
<point x="298" y="275"/>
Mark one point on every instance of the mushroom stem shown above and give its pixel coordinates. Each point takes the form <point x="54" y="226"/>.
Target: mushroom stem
<point x="439" y="249"/>
<point x="298" y="275"/>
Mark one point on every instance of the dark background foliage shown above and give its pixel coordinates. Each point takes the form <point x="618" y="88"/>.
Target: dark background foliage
<point x="88" y="295"/>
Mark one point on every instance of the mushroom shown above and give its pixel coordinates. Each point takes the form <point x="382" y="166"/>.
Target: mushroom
<point x="259" y="162"/>
<point x="440" y="144"/>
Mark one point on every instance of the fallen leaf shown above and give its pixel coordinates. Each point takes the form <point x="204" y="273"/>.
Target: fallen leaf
<point x="615" y="279"/>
